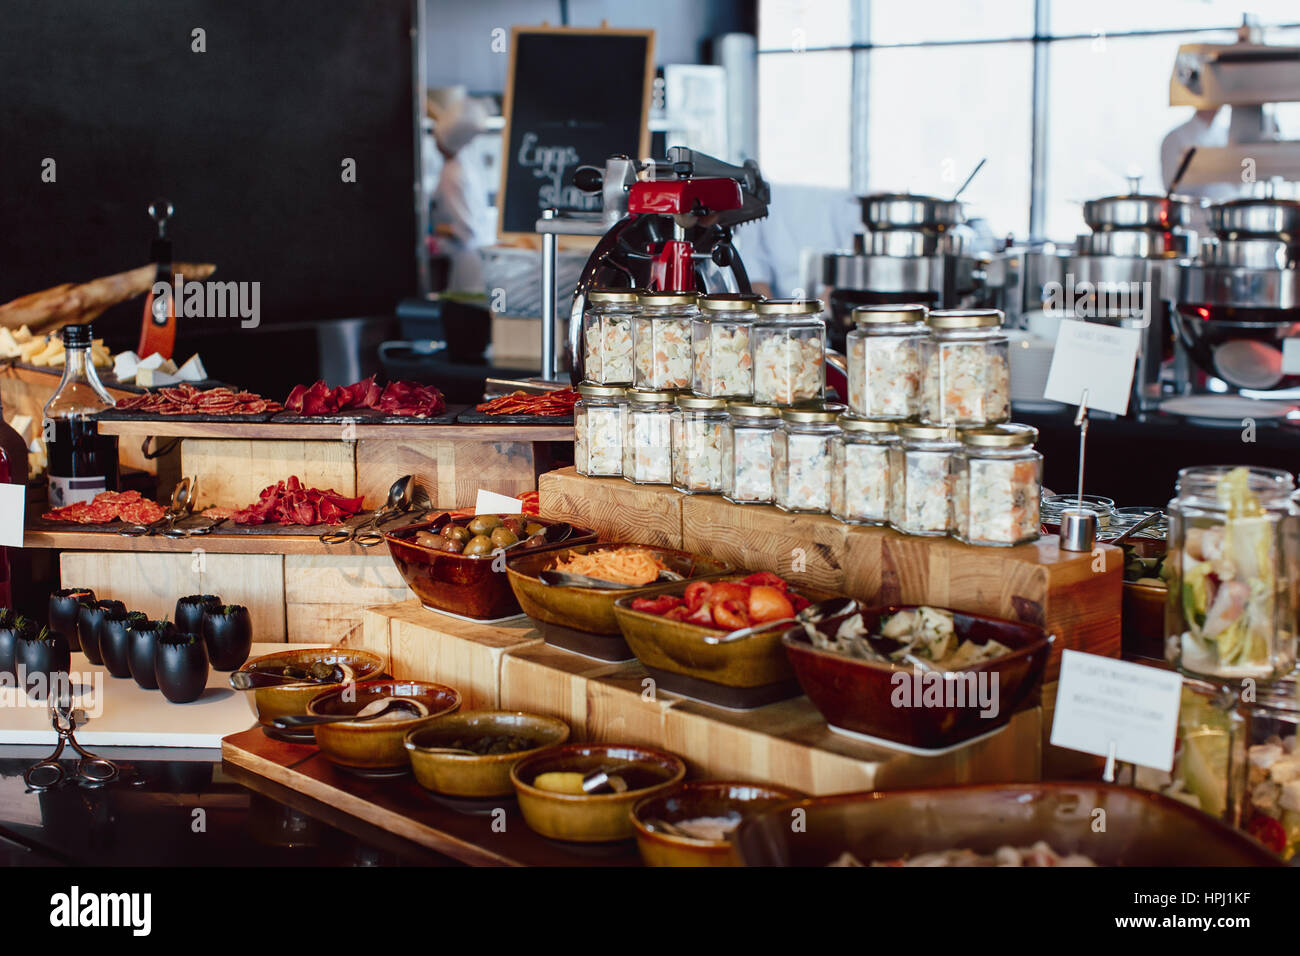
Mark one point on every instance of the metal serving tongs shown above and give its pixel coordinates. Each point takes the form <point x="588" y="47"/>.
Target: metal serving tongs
<point x="92" y="771"/>
<point x="181" y="504"/>
<point x="366" y="533"/>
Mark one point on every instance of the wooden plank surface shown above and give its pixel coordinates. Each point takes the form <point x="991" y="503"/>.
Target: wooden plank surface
<point x="215" y="543"/>
<point x="618" y="509"/>
<point x="324" y="593"/>
<point x="139" y="430"/>
<point x="232" y="472"/>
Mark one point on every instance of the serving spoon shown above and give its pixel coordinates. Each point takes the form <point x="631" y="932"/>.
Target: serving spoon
<point x="809" y="615"/>
<point x="251" y="680"/>
<point x="376" y="708"/>
<point x="181" y="502"/>
<point x="399" y="500"/>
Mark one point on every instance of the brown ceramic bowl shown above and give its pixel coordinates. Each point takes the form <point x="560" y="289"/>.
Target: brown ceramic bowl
<point x="690" y="801"/>
<point x="292" y="699"/>
<point x="746" y="673"/>
<point x="1142" y="829"/>
<point x="592" y="609"/>
<point x="859" y="696"/>
<point x="375" y="744"/>
<point x="488" y="775"/>
<point x="467" y="586"/>
<point x="592" y="818"/>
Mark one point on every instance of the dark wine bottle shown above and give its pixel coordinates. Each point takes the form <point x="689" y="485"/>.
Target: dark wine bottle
<point x="82" y="462"/>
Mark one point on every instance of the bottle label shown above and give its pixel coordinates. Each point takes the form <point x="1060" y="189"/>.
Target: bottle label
<point x="68" y="491"/>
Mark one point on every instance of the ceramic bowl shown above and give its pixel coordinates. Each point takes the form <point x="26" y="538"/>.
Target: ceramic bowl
<point x="472" y="587"/>
<point x="487" y="775"/>
<point x="691" y="801"/>
<point x="592" y="818"/>
<point x="286" y="699"/>
<point x="375" y="744"/>
<point x="888" y="702"/>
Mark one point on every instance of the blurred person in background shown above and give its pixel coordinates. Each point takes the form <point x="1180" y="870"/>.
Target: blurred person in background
<point x="459" y="204"/>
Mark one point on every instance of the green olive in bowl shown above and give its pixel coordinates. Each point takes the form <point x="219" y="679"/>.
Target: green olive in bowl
<point x="484" y="524"/>
<point x="478" y="546"/>
<point x="455" y="532"/>
<point x="503" y="538"/>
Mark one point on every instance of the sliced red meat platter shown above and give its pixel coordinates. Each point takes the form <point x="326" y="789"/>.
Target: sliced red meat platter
<point x="108" y="506"/>
<point x="557" y="403"/>
<point x="185" y="399"/>
<point x="290" y="502"/>
<point x="408" y="399"/>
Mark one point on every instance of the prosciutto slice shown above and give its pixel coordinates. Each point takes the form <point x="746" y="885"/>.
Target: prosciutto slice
<point x="292" y="502"/>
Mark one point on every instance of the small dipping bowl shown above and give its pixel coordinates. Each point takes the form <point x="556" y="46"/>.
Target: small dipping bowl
<point x="376" y="743"/>
<point x="284" y="700"/>
<point x="477" y="775"/>
<point x="692" y="801"/>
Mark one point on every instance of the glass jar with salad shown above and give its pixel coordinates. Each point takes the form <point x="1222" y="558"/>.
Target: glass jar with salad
<point x="661" y="339"/>
<point x="1231" y="560"/>
<point x="607" y="336"/>
<point x="722" y="348"/>
<point x="802" y="463"/>
<point x="748" y="450"/>
<point x="598" y="430"/>
<point x="698" y="425"/>
<point x="884" y="361"/>
<point x="860" y="477"/>
<point x="998" y="486"/>
<point x="921" y="468"/>
<point x="647" y="437"/>
<point x="966" y="378"/>
<point x="1270" y="799"/>
<point x="789" y="352"/>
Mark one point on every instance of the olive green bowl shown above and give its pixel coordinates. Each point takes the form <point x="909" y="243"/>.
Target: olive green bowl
<point x="285" y="700"/>
<point x="376" y="744"/>
<point x="592" y="609"/>
<point x="476" y="775"/>
<point x="706" y="798"/>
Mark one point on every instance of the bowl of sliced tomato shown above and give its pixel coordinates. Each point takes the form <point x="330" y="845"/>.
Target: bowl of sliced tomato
<point x="669" y="629"/>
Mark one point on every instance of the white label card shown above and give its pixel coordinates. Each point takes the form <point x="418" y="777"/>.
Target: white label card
<point x="1096" y="357"/>
<point x="1105" y="706"/>
<point x="13" y="503"/>
<point x="489" y="502"/>
<point x="1291" y="356"/>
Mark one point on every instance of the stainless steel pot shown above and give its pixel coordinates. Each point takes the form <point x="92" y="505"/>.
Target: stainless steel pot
<point x="886" y="211"/>
<point x="907" y="243"/>
<point x="1250" y="253"/>
<point x="1256" y="218"/>
<point x="1137" y="244"/>
<point x="1241" y="347"/>
<point x="1156" y="213"/>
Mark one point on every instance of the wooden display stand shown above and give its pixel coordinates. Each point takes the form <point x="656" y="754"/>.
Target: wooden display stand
<point x="509" y="666"/>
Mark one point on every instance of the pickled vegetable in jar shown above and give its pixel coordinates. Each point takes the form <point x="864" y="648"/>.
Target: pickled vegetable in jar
<point x="802" y="462"/>
<point x="698" y="425"/>
<point x="1269" y="794"/>
<point x="748" y="450"/>
<point x="722" y="348"/>
<point x="884" y="361"/>
<point x="998" y="486"/>
<point x="860" y="463"/>
<point x="789" y="352"/>
<point x="922" y="467"/>
<point x="1231" y="564"/>
<point x="647" y="437"/>
<point x="598" y="430"/>
<point x="661" y="339"/>
<point x="607" y="336"/>
<point x="966" y="376"/>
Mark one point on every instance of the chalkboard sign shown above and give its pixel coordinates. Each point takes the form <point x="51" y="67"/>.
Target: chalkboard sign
<point x="573" y="98"/>
<point x="245" y="125"/>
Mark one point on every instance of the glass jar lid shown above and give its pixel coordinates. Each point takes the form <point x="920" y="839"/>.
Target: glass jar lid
<point x="613" y="295"/>
<point x="828" y="413"/>
<point x="746" y="410"/>
<point x="876" y="426"/>
<point x="1211" y="483"/>
<point x="966" y="319"/>
<point x="647" y="396"/>
<point x="911" y="431"/>
<point x="1000" y="436"/>
<point x="730" y="302"/>
<point x="889" y="314"/>
<point x="701" y="403"/>
<point x="789" y="307"/>
<point x="656" y="297"/>
<point x="601" y="391"/>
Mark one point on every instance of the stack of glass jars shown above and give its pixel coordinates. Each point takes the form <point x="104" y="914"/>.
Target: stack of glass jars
<point x="998" y="486"/>
<point x="661" y="339"/>
<point x="966" y="378"/>
<point x="860" y="470"/>
<point x="598" y="424"/>
<point x="1268" y="795"/>
<point x="802" y="464"/>
<point x="698" y="444"/>
<point x="789" y="352"/>
<point x="922" y="468"/>
<point x="647" y="437"/>
<point x="722" y="347"/>
<point x="884" y="361"/>
<point x="607" y="336"/>
<point x="748" y="451"/>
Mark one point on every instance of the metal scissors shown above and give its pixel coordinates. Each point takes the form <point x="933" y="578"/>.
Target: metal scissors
<point x="92" y="771"/>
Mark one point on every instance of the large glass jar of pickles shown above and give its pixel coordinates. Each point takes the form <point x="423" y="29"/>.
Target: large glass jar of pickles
<point x="884" y="361"/>
<point x="922" y="467"/>
<point x="860" y="482"/>
<point x="1231" y="612"/>
<point x="998" y="486"/>
<point x="966" y="378"/>
<point x="789" y="352"/>
<point x="661" y="338"/>
<point x="1270" y="799"/>
<point x="722" y="348"/>
<point x="648" y="437"/>
<point x="802" y="465"/>
<point x="698" y="425"/>
<point x="748" y="449"/>
<point x="607" y="336"/>
<point x="598" y="430"/>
